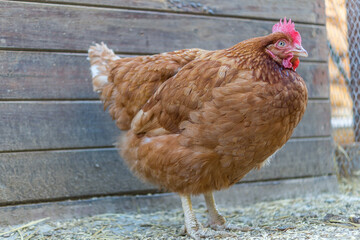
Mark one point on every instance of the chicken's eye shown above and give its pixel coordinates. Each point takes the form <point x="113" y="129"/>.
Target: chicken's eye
<point x="282" y="44"/>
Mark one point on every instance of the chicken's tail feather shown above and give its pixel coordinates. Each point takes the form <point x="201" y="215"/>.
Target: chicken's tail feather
<point x="100" y="57"/>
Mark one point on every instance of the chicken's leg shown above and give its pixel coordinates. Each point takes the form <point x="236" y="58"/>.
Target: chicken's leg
<point x="193" y="227"/>
<point x="215" y="220"/>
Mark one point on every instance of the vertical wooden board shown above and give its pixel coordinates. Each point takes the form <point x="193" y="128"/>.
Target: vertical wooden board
<point x="46" y="75"/>
<point x="310" y="11"/>
<point x="316" y="120"/>
<point x="55" y="125"/>
<point x="298" y="158"/>
<point x="50" y="175"/>
<point x="73" y="28"/>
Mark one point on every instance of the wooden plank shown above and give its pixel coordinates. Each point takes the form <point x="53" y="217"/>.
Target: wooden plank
<point x="298" y="158"/>
<point x="316" y="120"/>
<point x="44" y="75"/>
<point x="34" y="75"/>
<point x="54" y="175"/>
<point x="239" y="195"/>
<point x="65" y="124"/>
<point x="50" y="175"/>
<point x="74" y="28"/>
<point x="55" y="125"/>
<point x="309" y="11"/>
<point x="316" y="76"/>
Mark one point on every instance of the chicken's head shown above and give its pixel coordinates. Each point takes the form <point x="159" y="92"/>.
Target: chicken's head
<point x="286" y="48"/>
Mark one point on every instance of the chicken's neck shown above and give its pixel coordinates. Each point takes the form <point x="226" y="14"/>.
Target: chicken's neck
<point x="252" y="56"/>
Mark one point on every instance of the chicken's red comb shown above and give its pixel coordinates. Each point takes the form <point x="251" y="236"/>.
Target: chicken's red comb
<point x="288" y="28"/>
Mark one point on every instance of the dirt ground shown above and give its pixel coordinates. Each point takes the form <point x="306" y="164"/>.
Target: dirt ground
<point x="328" y="216"/>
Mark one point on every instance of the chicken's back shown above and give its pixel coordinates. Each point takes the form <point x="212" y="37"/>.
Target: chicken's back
<point x="126" y="84"/>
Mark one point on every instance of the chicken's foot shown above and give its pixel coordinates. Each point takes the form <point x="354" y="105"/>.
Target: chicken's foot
<point x="192" y="227"/>
<point x="215" y="220"/>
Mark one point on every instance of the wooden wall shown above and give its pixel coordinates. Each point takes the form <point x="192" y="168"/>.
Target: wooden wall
<point x="55" y="140"/>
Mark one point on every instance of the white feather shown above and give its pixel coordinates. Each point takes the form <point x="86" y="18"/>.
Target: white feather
<point x="94" y="70"/>
<point x="102" y="79"/>
<point x="147" y="140"/>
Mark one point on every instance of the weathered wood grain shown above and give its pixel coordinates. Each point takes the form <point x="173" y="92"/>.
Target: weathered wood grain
<point x="45" y="175"/>
<point x="66" y="124"/>
<point x="316" y="120"/>
<point x="309" y="11"/>
<point x="70" y="120"/>
<point x="74" y="28"/>
<point x="316" y="76"/>
<point x="241" y="194"/>
<point x="33" y="176"/>
<point x="34" y="75"/>
<point x="55" y="125"/>
<point x="298" y="158"/>
<point x="43" y="75"/>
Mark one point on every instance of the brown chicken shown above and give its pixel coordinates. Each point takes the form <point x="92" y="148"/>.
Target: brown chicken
<point x="197" y="121"/>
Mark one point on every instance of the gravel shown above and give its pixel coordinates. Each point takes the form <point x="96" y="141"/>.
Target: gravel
<point x="327" y="216"/>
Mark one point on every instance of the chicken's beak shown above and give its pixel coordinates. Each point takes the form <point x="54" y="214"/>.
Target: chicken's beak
<point x="299" y="51"/>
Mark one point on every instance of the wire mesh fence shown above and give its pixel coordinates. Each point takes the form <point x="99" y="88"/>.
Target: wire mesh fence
<point x="343" y="28"/>
<point x="353" y="22"/>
